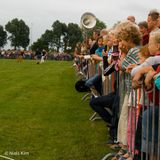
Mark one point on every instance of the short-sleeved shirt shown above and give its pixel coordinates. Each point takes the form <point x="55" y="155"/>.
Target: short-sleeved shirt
<point x="99" y="51"/>
<point x="131" y="58"/>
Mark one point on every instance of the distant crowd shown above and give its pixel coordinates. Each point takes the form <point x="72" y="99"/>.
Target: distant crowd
<point x="29" y="54"/>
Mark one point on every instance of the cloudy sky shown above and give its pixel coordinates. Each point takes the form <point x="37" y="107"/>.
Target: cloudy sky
<point x="39" y="15"/>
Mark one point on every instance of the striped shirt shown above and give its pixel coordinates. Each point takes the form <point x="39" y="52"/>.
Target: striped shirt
<point x="131" y="58"/>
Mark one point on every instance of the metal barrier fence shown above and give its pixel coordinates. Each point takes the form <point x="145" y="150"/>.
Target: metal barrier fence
<point x="143" y="130"/>
<point x="143" y="127"/>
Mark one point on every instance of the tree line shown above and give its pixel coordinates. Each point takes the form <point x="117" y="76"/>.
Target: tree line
<point x="61" y="36"/>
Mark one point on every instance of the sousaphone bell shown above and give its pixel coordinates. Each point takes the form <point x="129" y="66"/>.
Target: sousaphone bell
<point x="88" y="20"/>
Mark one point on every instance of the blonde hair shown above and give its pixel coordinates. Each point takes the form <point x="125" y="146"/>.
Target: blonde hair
<point x="104" y="31"/>
<point x="156" y="36"/>
<point x="128" y="31"/>
<point x="105" y="38"/>
<point x="144" y="51"/>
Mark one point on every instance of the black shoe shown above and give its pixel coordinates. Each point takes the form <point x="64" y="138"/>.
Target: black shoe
<point x="109" y="125"/>
<point x="111" y="141"/>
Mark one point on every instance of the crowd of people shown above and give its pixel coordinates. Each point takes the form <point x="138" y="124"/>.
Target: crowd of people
<point x="128" y="56"/>
<point x="29" y="54"/>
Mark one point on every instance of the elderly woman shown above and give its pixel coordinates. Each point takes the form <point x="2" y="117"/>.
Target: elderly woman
<point x="130" y="38"/>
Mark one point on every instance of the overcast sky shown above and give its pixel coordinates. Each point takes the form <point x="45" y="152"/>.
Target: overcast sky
<point x="39" y="15"/>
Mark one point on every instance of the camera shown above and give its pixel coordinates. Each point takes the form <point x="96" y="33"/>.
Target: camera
<point x="115" y="53"/>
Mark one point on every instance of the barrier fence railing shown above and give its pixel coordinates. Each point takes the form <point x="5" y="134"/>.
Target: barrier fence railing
<point x="144" y="119"/>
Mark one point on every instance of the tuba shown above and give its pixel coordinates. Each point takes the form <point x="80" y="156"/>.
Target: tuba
<point x="88" y="20"/>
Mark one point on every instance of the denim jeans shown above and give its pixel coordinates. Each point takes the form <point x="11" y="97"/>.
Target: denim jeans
<point x="95" y="81"/>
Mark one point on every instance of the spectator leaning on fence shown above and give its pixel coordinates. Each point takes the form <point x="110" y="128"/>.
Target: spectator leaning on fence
<point x="150" y="68"/>
<point x="95" y="82"/>
<point x="103" y="105"/>
<point x="129" y="35"/>
<point x="77" y="53"/>
<point x="137" y="110"/>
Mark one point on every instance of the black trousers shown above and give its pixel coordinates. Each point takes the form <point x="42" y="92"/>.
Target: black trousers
<point x="100" y="104"/>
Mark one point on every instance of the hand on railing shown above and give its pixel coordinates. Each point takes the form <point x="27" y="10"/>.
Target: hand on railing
<point x="105" y="53"/>
<point x="87" y="57"/>
<point x="149" y="79"/>
<point x="157" y="80"/>
<point x="130" y="67"/>
<point x="139" y="76"/>
<point x="96" y="57"/>
<point x="81" y="56"/>
<point x="137" y="81"/>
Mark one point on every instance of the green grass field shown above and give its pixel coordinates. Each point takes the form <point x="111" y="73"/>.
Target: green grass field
<point x="42" y="117"/>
